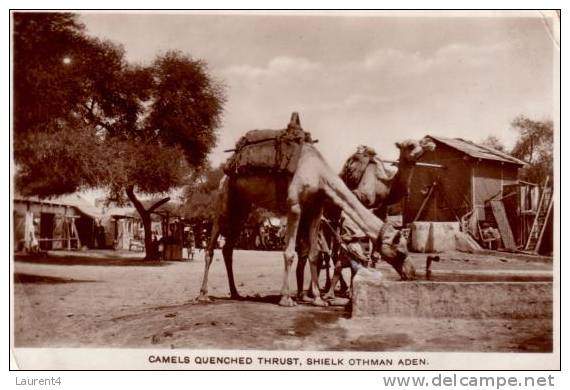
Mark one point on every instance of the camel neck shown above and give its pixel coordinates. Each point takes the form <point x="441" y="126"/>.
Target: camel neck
<point x="342" y="197"/>
<point x="401" y="182"/>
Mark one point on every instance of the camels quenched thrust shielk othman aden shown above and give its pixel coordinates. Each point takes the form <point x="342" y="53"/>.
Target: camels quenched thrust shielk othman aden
<point x="304" y="193"/>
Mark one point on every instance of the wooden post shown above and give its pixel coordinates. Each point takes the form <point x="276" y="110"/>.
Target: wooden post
<point x="419" y="213"/>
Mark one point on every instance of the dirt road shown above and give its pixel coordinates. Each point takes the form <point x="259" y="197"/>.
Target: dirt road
<point x="112" y="299"/>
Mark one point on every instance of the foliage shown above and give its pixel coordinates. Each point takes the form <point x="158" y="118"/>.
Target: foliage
<point x="187" y="105"/>
<point x="41" y="43"/>
<point x="55" y="162"/>
<point x="535" y="146"/>
<point x="495" y="143"/>
<point x="201" y="194"/>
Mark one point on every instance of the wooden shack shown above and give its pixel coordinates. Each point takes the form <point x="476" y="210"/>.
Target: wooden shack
<point x="473" y="175"/>
<point x="64" y="222"/>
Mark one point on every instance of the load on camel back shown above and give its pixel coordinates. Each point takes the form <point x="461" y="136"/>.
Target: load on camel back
<point x="281" y="171"/>
<point x="268" y="151"/>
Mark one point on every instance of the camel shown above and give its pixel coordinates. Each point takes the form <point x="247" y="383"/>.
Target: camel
<point x="301" y="197"/>
<point x="374" y="186"/>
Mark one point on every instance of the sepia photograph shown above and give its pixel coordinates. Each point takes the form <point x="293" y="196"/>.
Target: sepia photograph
<point x="357" y="190"/>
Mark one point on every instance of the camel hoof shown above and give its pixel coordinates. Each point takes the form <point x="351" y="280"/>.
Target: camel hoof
<point x="236" y="297"/>
<point x="287" y="301"/>
<point x="339" y="302"/>
<point x="304" y="298"/>
<point x="319" y="302"/>
<point x="329" y="296"/>
<point x="203" y="298"/>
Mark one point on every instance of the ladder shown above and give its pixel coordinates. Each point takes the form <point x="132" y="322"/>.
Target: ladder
<point x="540" y="220"/>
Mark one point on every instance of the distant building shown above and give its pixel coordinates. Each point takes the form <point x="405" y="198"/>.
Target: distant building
<point x="71" y="222"/>
<point x="64" y="222"/>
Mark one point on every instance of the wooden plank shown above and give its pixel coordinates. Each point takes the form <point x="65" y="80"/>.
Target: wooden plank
<point x="503" y="224"/>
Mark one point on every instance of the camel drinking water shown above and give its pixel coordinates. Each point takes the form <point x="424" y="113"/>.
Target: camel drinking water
<point x="301" y="196"/>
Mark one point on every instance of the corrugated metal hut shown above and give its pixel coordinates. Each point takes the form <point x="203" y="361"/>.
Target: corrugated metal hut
<point x="473" y="175"/>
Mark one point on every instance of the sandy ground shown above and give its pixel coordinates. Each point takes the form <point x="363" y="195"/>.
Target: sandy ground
<point x="113" y="299"/>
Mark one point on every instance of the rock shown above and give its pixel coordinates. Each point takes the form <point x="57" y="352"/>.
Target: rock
<point x="420" y="236"/>
<point x="433" y="237"/>
<point x="465" y="243"/>
<point x="442" y="236"/>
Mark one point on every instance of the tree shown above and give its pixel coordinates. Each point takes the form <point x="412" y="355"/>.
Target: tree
<point x="200" y="193"/>
<point x="493" y="142"/>
<point x="42" y="42"/>
<point x="534" y="146"/>
<point x="89" y="119"/>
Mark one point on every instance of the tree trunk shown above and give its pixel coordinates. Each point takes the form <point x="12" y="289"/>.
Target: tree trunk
<point x="150" y="252"/>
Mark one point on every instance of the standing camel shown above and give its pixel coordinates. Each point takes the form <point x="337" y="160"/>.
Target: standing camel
<point x="302" y="199"/>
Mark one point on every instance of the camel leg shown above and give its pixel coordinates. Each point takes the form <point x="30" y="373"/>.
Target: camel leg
<point x="293" y="218"/>
<point x="314" y="256"/>
<point x="325" y="263"/>
<point x="227" y="252"/>
<point x="352" y="274"/>
<point x="228" y="249"/>
<point x="300" y="275"/>
<point x="343" y="285"/>
<point x="208" y="257"/>
<point x="303" y="248"/>
<point x="337" y="275"/>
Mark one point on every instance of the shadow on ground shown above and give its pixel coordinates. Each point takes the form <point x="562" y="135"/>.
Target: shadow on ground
<point x="41" y="279"/>
<point x="85" y="260"/>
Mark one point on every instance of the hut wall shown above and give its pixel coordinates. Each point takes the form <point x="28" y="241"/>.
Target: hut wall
<point x="520" y="204"/>
<point x="489" y="177"/>
<point x="454" y="193"/>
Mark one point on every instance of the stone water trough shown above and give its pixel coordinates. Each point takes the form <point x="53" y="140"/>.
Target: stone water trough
<point x="452" y="294"/>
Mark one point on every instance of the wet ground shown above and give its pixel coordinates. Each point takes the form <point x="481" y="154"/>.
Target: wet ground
<point x="116" y="299"/>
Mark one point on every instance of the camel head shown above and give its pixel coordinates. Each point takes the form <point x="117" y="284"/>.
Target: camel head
<point x="412" y="150"/>
<point x="393" y="248"/>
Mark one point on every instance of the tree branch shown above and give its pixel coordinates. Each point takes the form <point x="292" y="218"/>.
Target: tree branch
<point x="94" y="119"/>
<point x="158" y="204"/>
<point x="130" y="190"/>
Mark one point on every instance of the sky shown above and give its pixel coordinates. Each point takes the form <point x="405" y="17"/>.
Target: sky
<point x="357" y="78"/>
